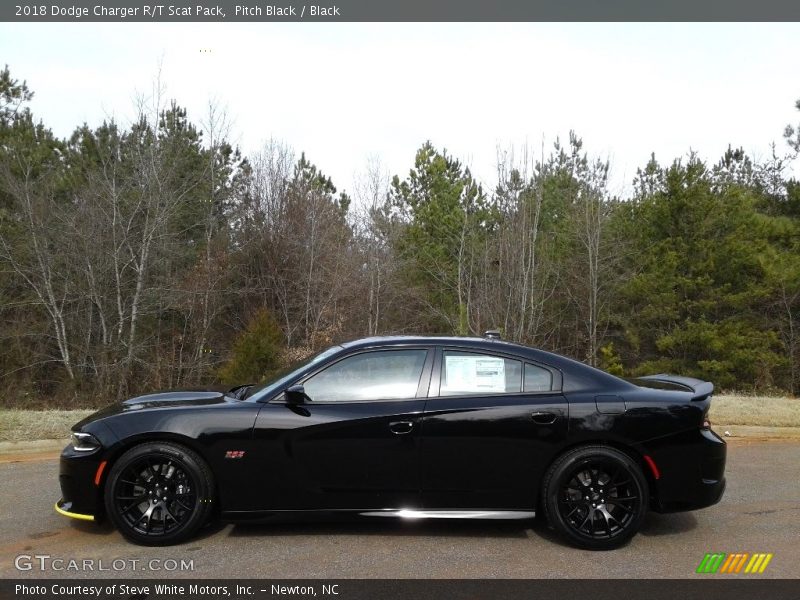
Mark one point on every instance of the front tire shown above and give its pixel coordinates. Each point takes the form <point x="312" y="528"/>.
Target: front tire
<point x="595" y="497"/>
<point x="159" y="493"/>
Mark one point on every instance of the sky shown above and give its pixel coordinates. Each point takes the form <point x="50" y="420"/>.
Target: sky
<point x="346" y="93"/>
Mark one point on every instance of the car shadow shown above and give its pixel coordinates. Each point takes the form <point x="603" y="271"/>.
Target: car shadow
<point x="105" y="528"/>
<point x="358" y="526"/>
<point x="102" y="528"/>
<point x="656" y="524"/>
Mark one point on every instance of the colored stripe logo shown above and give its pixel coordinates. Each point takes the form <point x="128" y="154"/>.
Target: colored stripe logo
<point x="737" y="562"/>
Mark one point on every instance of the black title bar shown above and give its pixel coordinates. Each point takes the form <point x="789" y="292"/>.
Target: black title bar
<point x="710" y="588"/>
<point x="402" y="10"/>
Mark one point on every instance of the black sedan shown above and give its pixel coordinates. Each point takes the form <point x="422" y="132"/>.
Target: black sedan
<point x="410" y="427"/>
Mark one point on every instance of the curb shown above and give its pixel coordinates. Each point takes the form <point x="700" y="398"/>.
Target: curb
<point x="756" y="432"/>
<point x="33" y="446"/>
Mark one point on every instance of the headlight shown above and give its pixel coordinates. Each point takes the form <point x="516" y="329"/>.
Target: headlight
<point x="84" y="442"/>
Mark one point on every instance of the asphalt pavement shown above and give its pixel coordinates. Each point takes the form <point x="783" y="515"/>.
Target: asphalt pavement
<point x="760" y="512"/>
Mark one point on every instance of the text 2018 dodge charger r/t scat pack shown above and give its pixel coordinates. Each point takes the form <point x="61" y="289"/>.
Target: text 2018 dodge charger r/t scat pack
<point x="404" y="426"/>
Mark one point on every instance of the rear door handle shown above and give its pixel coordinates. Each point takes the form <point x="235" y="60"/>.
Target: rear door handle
<point x="401" y="427"/>
<point x="543" y="418"/>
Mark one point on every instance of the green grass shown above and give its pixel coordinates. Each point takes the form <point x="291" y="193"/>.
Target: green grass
<point x="26" y="425"/>
<point x="755" y="410"/>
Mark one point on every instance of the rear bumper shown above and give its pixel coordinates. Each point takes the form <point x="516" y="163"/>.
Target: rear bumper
<point x="705" y="495"/>
<point x="692" y="472"/>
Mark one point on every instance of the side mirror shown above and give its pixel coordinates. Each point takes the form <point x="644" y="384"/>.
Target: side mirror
<point x="296" y="394"/>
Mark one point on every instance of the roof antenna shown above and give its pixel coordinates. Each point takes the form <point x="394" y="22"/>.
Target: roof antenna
<point x="492" y="334"/>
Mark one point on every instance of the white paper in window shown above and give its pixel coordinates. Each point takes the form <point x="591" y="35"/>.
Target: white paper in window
<point x="475" y="374"/>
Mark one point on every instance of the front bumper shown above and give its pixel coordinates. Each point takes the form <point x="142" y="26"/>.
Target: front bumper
<point x="81" y="478"/>
<point x="65" y="508"/>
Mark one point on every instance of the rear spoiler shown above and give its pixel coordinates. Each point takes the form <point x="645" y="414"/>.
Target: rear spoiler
<point x="700" y="389"/>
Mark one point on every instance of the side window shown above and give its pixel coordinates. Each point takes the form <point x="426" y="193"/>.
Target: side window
<point x="472" y="373"/>
<point x="379" y="375"/>
<point x="537" y="379"/>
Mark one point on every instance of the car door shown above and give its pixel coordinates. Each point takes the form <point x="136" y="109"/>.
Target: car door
<point x="491" y="425"/>
<point x="353" y="444"/>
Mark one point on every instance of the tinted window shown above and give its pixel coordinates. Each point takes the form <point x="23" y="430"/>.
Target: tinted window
<point x="381" y="375"/>
<point x="537" y="379"/>
<point x="472" y="373"/>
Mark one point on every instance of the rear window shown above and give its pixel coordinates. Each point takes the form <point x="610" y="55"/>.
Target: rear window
<point x="537" y="379"/>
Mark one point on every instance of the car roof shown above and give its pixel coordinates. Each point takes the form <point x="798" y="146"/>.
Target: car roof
<point x="426" y="339"/>
<point x="468" y="342"/>
<point x="390" y="340"/>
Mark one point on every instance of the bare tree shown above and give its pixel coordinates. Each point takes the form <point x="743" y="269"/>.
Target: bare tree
<point x="40" y="261"/>
<point x="519" y="273"/>
<point x="591" y="212"/>
<point x="372" y="190"/>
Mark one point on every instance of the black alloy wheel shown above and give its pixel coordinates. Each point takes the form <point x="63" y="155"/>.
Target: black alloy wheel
<point x="159" y="493"/>
<point x="596" y="497"/>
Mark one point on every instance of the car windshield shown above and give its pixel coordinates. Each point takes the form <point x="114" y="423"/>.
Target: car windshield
<point x="282" y="378"/>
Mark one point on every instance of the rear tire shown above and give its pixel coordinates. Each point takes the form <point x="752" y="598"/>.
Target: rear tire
<point x="159" y="493"/>
<point x="595" y="497"/>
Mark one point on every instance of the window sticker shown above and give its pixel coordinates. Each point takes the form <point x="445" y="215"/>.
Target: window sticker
<point x="475" y="374"/>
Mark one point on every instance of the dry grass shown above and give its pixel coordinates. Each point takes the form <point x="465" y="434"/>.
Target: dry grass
<point x="755" y="410"/>
<point x="26" y="425"/>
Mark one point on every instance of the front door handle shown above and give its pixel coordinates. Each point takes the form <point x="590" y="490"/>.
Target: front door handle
<point x="401" y="427"/>
<point x="543" y="418"/>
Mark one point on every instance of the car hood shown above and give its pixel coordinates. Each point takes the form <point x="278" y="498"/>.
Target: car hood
<point x="188" y="398"/>
<point x="173" y="398"/>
